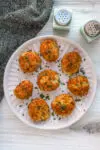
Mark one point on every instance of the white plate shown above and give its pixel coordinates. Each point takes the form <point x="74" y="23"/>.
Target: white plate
<point x="13" y="75"/>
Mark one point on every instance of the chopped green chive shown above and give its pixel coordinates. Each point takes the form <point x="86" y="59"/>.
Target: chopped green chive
<point x="59" y="80"/>
<point x="62" y="91"/>
<point x="36" y="88"/>
<point x="26" y="58"/>
<point x="47" y="97"/>
<point x="59" y="65"/>
<point x="52" y="114"/>
<point x="84" y="59"/>
<point x="62" y="83"/>
<point x="82" y="71"/>
<point x="40" y="67"/>
<point x="63" y="107"/>
<point x="77" y="100"/>
<point x="49" y="86"/>
<point x="41" y="95"/>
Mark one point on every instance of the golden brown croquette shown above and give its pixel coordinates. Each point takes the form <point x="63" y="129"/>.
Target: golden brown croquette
<point x="48" y="80"/>
<point x="70" y="63"/>
<point x="63" y="105"/>
<point x="79" y="85"/>
<point x="49" y="50"/>
<point x="23" y="90"/>
<point x="29" y="61"/>
<point x="38" y="110"/>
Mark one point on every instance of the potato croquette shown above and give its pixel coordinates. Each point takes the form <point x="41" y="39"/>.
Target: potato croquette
<point x="63" y="105"/>
<point x="70" y="63"/>
<point x="49" y="50"/>
<point x="23" y="90"/>
<point x="78" y="85"/>
<point x="48" y="80"/>
<point x="29" y="61"/>
<point x="38" y="110"/>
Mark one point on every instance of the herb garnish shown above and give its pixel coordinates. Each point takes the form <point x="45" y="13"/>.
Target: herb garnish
<point x="36" y="88"/>
<point x="62" y="91"/>
<point x="52" y="114"/>
<point x="62" y="83"/>
<point x="59" y="65"/>
<point x="49" y="86"/>
<point x="84" y="59"/>
<point x="63" y="107"/>
<point x="40" y="67"/>
<point x="41" y="95"/>
<point x="82" y="71"/>
<point x="47" y="97"/>
<point x="27" y="59"/>
<point x="59" y="80"/>
<point x="77" y="100"/>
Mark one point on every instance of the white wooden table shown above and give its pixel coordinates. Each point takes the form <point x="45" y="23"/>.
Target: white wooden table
<point x="85" y="134"/>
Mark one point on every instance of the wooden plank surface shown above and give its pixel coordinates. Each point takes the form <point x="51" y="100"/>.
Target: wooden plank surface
<point x="85" y="134"/>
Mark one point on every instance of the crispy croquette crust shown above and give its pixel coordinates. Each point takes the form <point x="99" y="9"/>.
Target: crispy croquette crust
<point x="49" y="50"/>
<point x="29" y="61"/>
<point x="63" y="105"/>
<point x="38" y="110"/>
<point x="23" y="90"/>
<point x="48" y="80"/>
<point x="78" y="85"/>
<point x="70" y="62"/>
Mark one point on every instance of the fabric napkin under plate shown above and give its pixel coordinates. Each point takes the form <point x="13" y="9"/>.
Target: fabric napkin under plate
<point x="20" y="20"/>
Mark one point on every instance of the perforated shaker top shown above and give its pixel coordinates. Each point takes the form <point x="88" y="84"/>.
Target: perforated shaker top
<point x="62" y="16"/>
<point x="92" y="28"/>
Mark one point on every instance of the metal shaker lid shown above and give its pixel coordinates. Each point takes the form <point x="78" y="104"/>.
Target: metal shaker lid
<point x="92" y="28"/>
<point x="62" y="16"/>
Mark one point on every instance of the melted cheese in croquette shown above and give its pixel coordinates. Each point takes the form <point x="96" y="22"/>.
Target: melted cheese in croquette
<point x="48" y="80"/>
<point x="29" y="61"/>
<point x="49" y="50"/>
<point x="23" y="90"/>
<point x="78" y="85"/>
<point x="63" y="105"/>
<point x="70" y="62"/>
<point x="38" y="110"/>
